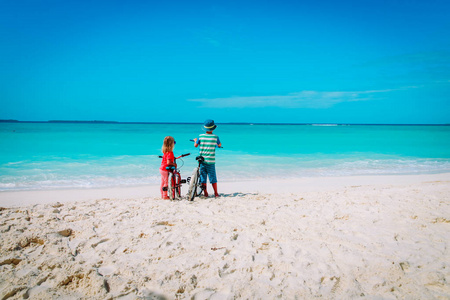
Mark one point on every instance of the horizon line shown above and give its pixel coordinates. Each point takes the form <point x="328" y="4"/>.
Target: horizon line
<point x="220" y="123"/>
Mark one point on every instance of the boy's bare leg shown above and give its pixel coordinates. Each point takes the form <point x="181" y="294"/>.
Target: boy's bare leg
<point x="204" y="189"/>
<point x="216" y="194"/>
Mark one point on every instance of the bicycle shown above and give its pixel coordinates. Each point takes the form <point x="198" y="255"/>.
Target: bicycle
<point x="174" y="182"/>
<point x="195" y="186"/>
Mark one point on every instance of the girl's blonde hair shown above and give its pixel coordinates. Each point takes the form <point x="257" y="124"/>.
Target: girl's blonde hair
<point x="168" y="144"/>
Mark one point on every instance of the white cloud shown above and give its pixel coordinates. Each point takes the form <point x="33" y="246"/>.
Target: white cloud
<point x="304" y="99"/>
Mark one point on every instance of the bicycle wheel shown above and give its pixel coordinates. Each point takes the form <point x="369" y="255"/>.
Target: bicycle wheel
<point x="171" y="186"/>
<point x="177" y="186"/>
<point x="193" y="185"/>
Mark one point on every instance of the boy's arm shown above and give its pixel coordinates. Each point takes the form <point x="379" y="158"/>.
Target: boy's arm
<point x="218" y="142"/>
<point x="195" y="142"/>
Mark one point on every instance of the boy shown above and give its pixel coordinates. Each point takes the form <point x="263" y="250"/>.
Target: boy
<point x="208" y="142"/>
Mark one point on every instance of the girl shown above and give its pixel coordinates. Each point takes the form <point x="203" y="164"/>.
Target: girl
<point x="168" y="160"/>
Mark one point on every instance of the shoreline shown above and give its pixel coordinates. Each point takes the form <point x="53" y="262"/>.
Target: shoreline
<point x="279" y="186"/>
<point x="107" y="122"/>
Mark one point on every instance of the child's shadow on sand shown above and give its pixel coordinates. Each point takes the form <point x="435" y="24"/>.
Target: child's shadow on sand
<point x="238" y="194"/>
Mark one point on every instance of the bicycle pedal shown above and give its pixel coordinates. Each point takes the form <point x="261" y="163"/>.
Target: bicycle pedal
<point x="165" y="189"/>
<point x="188" y="179"/>
<point x="183" y="180"/>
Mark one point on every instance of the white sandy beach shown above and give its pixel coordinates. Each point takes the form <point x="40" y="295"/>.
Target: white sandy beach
<point x="378" y="237"/>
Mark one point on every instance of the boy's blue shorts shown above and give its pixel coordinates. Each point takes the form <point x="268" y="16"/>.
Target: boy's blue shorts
<point x="209" y="170"/>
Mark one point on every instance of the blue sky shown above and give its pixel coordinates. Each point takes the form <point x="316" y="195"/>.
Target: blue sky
<point x="232" y="61"/>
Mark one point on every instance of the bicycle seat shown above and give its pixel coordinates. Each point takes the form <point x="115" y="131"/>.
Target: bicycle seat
<point x="200" y="158"/>
<point x="170" y="168"/>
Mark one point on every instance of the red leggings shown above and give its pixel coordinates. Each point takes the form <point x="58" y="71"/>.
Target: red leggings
<point x="164" y="182"/>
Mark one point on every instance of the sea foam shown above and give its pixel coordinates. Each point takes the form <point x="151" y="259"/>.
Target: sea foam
<point x="60" y="156"/>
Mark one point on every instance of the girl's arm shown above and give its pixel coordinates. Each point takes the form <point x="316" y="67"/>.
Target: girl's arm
<point x="170" y="162"/>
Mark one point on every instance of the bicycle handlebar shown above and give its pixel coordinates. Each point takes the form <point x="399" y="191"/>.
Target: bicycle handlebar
<point x="182" y="155"/>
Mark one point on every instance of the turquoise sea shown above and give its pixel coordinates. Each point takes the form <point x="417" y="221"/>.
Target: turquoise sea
<point x="36" y="156"/>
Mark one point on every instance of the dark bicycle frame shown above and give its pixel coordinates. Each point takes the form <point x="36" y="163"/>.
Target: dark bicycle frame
<point x="196" y="185"/>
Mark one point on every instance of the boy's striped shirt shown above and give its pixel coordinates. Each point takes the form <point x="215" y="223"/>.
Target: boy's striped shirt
<point x="207" y="145"/>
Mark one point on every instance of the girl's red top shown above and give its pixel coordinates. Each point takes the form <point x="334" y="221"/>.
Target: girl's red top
<point x="166" y="156"/>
